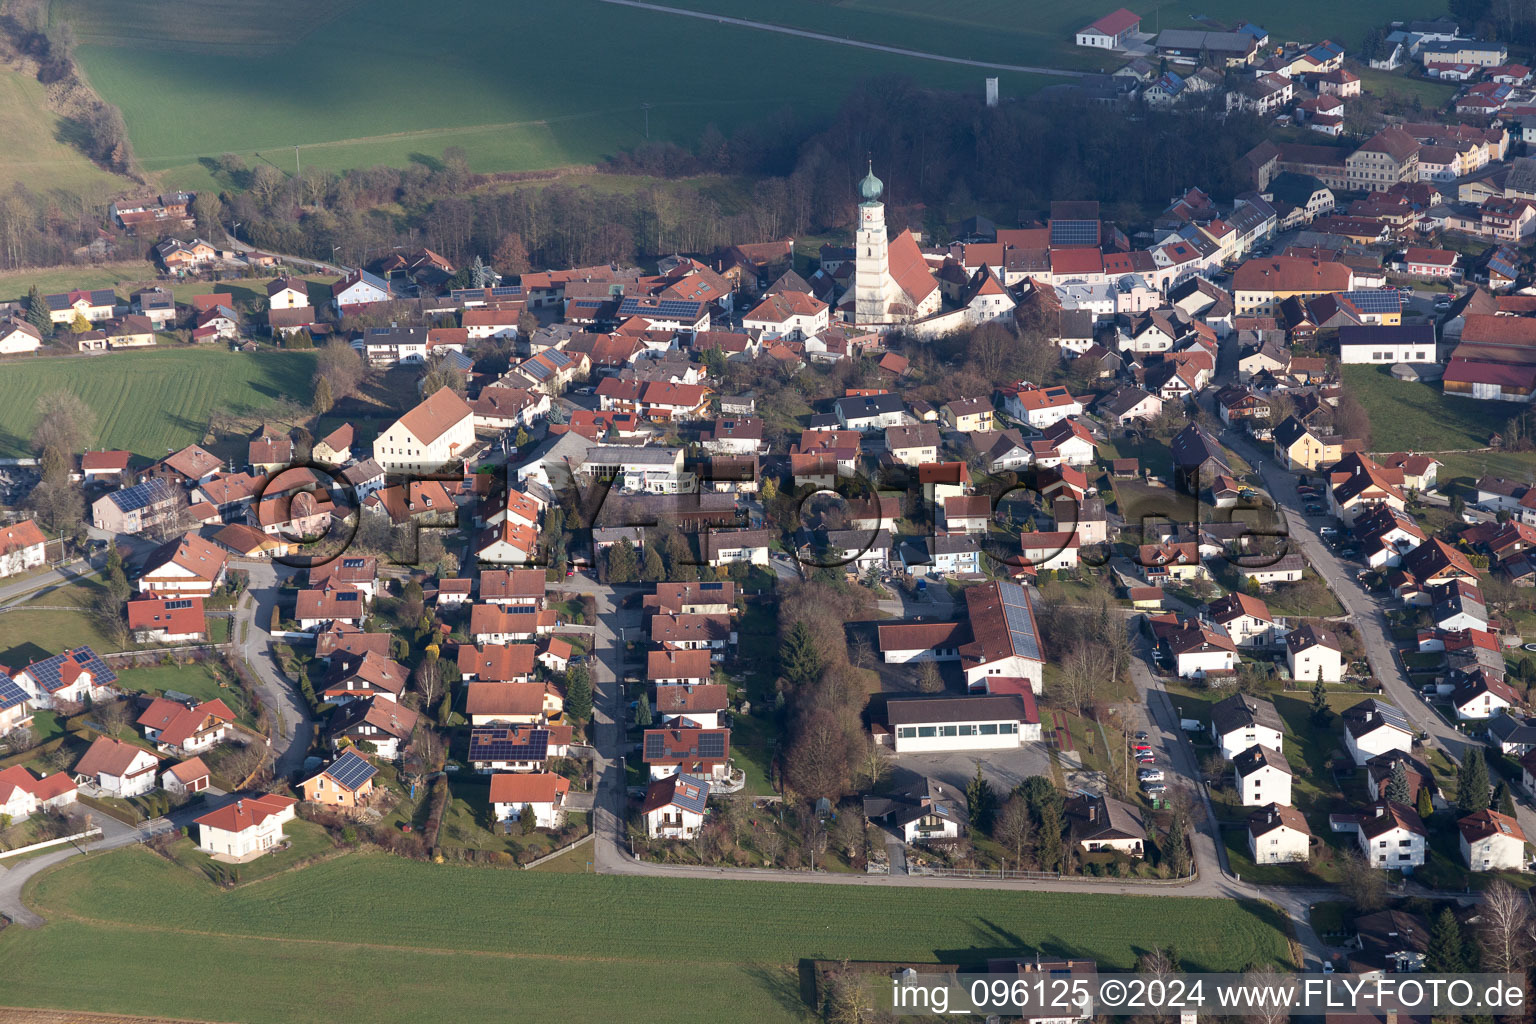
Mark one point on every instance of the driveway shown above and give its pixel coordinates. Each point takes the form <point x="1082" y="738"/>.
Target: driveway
<point x="1005" y="769"/>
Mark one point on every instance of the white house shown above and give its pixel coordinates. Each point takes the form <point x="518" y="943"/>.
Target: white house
<point x="22" y="794"/>
<point x="436" y="432"/>
<point x="246" y="828"/>
<point x="1314" y="654"/>
<point x="72" y="677"/>
<point x="1246" y="619"/>
<point x="788" y="315"/>
<point x="1263" y="776"/>
<point x="1480" y="695"/>
<point x="1241" y="721"/>
<point x="177" y="728"/>
<point x="17" y="335"/>
<point x="545" y="792"/>
<point x="22" y="547"/>
<point x="1278" y="834"/>
<point x="1373" y="727"/>
<point x="359" y="288"/>
<point x="926" y="810"/>
<point x="975" y="722"/>
<point x="674" y="806"/>
<point x="1385" y="345"/>
<point x="286" y="293"/>
<point x="1393" y="836"/>
<point x="119" y="769"/>
<point x="1040" y="407"/>
<point x="1491" y="841"/>
<point x="1198" y="650"/>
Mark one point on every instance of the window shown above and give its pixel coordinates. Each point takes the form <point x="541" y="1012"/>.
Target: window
<point x="906" y="732"/>
<point x="947" y="730"/>
<point x="926" y="731"/>
<point x="988" y="729"/>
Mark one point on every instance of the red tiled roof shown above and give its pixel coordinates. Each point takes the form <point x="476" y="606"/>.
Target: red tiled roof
<point x="246" y="813"/>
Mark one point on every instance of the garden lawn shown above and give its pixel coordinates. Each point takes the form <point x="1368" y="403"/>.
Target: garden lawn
<point x="1460" y="471"/>
<point x="153" y="401"/>
<point x="1433" y="95"/>
<point x="447" y="940"/>
<point x="194" y="680"/>
<point x="1407" y="415"/>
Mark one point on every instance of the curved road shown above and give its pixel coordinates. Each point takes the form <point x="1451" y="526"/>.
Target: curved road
<point x="822" y="37"/>
<point x="293" y="728"/>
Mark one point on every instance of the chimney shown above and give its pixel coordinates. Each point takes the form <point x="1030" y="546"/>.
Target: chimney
<point x="1391" y="1017"/>
<point x="1381" y="809"/>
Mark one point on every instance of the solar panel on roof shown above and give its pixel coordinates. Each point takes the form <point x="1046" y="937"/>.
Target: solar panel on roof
<point x="1021" y="621"/>
<point x="351" y="771"/>
<point x="1375" y="301"/>
<point x="179" y="603"/>
<point x="10" y="694"/>
<point x="497" y="745"/>
<point x="712" y="745"/>
<point x="655" y="746"/>
<point x="1074" y="232"/>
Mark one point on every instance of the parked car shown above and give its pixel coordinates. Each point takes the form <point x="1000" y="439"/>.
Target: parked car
<point x="1150" y="775"/>
<point x="1153" y="788"/>
<point x="1141" y="734"/>
<point x="1145" y="756"/>
<point x="1315" y="510"/>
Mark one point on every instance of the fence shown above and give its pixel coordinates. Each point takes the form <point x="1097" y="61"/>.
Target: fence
<point x="563" y="850"/>
<point x="49" y="842"/>
<point x="1009" y="874"/>
<point x="141" y="659"/>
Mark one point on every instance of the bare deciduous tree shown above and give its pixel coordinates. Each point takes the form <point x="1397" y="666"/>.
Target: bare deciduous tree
<point x="1505" y="932"/>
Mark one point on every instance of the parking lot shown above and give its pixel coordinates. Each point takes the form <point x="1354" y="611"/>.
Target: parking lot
<point x="1005" y="769"/>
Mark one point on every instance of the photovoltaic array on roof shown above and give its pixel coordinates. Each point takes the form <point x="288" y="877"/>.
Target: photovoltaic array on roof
<point x="350" y="771"/>
<point x="1392" y="716"/>
<point x="655" y="746"/>
<point x="11" y="695"/>
<point x="49" y="672"/>
<point x="131" y="499"/>
<point x="1074" y="232"/>
<point x="671" y="308"/>
<point x="497" y="745"/>
<point x="1021" y="621"/>
<point x="1374" y="301"/>
<point x="712" y="745"/>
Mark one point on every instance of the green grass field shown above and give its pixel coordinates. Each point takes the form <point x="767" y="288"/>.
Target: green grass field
<point x="362" y="938"/>
<point x="234" y="82"/>
<point x="147" y="402"/>
<point x="1433" y="95"/>
<point x="1408" y="415"/>
<point x="37" y="154"/>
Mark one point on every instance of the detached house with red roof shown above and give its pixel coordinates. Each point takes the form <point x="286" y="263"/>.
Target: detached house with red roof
<point x="245" y="829"/>
<point x="788" y="314"/>
<point x="189" y="567"/>
<point x="167" y="619"/>
<point x="544" y="792"/>
<point x="116" y="768"/>
<point x="22" y="547"/>
<point x="22" y="794"/>
<point x="71" y="677"/>
<point x="180" y="729"/>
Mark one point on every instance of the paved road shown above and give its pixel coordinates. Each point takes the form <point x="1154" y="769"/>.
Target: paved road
<point x="34" y="587"/>
<point x="294" y="729"/>
<point x="823" y="37"/>
<point x="1366" y="610"/>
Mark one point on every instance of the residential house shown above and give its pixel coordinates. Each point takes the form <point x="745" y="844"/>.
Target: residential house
<point x="386" y="724"/>
<point x="346" y="783"/>
<point x="1491" y="841"/>
<point x="674" y="807"/>
<point x="71" y="677"/>
<point x="700" y="753"/>
<point x="1246" y="619"/>
<point x="511" y="703"/>
<point x="23" y="794"/>
<point x="182" y="729"/>
<point x="116" y="768"/>
<point x="1314" y="655"/>
<point x="1102" y="823"/>
<point x="924" y="810"/>
<point x="246" y="828"/>
<point x="1278" y="834"/>
<point x="17" y="335"/>
<point x="1373" y="727"/>
<point x="1240" y="721"/>
<point x="1393" y="836"/>
<point x="1262" y="776"/>
<point x="22" y="547"/>
<point x="545" y="793"/>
